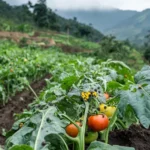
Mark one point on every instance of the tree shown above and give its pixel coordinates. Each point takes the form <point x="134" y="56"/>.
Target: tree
<point x="40" y="13"/>
<point x="113" y="49"/>
<point x="147" y="47"/>
<point x="75" y="19"/>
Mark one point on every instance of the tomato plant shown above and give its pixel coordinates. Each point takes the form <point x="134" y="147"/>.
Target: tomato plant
<point x="75" y="92"/>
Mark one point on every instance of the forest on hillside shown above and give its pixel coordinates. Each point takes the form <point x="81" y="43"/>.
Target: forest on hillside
<point x="40" y="16"/>
<point x="27" y="17"/>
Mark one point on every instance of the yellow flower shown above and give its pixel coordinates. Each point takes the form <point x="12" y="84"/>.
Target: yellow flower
<point x="85" y="95"/>
<point x="95" y="94"/>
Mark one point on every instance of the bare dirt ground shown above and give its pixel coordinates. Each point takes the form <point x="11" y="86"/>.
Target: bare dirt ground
<point x="136" y="136"/>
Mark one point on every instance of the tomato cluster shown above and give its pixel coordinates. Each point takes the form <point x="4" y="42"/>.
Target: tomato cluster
<point x="95" y="123"/>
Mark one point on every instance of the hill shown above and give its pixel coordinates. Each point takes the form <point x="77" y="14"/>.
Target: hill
<point x="28" y="16"/>
<point x="124" y="25"/>
<point x="100" y="19"/>
<point x="134" y="28"/>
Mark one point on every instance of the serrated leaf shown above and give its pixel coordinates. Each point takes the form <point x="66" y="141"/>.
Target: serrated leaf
<point x="143" y="76"/>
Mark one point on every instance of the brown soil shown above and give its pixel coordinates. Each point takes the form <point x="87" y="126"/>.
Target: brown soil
<point x="69" y="49"/>
<point x="135" y="136"/>
<point x="18" y="36"/>
<point x="72" y="49"/>
<point x="19" y="102"/>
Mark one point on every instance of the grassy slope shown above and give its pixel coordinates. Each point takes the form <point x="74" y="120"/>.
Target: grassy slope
<point x="135" y="59"/>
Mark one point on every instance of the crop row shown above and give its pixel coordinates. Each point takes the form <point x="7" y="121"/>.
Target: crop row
<point x="81" y="89"/>
<point x="21" y="65"/>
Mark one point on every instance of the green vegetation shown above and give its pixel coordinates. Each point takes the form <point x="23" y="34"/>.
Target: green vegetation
<point x="72" y="41"/>
<point x="17" y="64"/>
<point x="76" y="89"/>
<point x="134" y="28"/>
<point x="147" y="48"/>
<point x="89" y="94"/>
<point x="124" y="24"/>
<point x="20" y="18"/>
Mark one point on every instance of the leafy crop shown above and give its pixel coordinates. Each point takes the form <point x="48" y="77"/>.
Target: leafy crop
<point x="76" y="91"/>
<point x="20" y="66"/>
<point x="45" y="122"/>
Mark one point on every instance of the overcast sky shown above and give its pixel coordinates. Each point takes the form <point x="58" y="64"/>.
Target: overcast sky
<point x="91" y="4"/>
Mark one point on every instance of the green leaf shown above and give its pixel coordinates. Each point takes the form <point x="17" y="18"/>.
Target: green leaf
<point x="19" y="137"/>
<point x="35" y="131"/>
<point x="102" y="146"/>
<point x="68" y="82"/>
<point x="21" y="147"/>
<point x="118" y="63"/>
<point x="143" y="76"/>
<point x="56" y="141"/>
<point x="129" y="116"/>
<point x="139" y="100"/>
<point x="113" y="85"/>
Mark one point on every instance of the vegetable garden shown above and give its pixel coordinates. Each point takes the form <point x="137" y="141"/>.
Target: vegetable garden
<point x="84" y="101"/>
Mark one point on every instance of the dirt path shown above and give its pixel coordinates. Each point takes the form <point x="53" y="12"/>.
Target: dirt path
<point x="19" y="102"/>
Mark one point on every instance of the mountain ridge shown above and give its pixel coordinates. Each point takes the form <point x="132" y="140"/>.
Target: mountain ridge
<point x="91" y="16"/>
<point x="124" y="24"/>
<point x="134" y="28"/>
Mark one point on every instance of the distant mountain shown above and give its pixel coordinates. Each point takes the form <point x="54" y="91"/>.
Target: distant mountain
<point x="100" y="19"/>
<point x="134" y="28"/>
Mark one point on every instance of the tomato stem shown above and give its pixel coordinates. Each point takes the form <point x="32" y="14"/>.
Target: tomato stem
<point x="79" y="141"/>
<point x="81" y="136"/>
<point x="111" y="124"/>
<point x="32" y="91"/>
<point x="71" y="138"/>
<point x="121" y="123"/>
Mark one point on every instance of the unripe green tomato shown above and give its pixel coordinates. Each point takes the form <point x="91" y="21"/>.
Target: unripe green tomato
<point x="91" y="136"/>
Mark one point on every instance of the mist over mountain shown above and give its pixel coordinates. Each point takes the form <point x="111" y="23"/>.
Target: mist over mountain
<point x="100" y="19"/>
<point x="124" y="24"/>
<point x="134" y="28"/>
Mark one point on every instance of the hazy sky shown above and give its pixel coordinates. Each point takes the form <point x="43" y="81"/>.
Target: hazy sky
<point x="92" y="4"/>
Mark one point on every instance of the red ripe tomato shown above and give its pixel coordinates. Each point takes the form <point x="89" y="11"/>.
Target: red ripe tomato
<point x="72" y="130"/>
<point x="98" y="122"/>
<point x="106" y="95"/>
